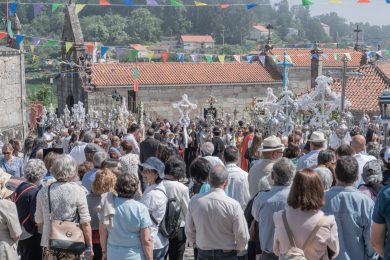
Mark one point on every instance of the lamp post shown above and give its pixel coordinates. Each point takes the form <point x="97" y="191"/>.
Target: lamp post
<point x="384" y="104"/>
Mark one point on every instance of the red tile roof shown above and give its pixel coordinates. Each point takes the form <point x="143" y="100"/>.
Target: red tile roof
<point x="363" y="91"/>
<point x="175" y="73"/>
<point x="197" y="38"/>
<point x="385" y="69"/>
<point x="260" y="27"/>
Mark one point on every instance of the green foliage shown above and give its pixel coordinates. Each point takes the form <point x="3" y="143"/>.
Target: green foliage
<point x="41" y="93"/>
<point x="143" y="26"/>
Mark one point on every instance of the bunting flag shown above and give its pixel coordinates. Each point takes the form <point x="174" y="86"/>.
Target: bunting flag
<point x="348" y="55"/>
<point x="151" y="2"/>
<point x="314" y="56"/>
<point x="133" y="54"/>
<point x="249" y="59"/>
<point x="180" y="57"/>
<point x="288" y="59"/>
<point x="388" y="1"/>
<point x="363" y="1"/>
<point x="136" y="73"/>
<point x="325" y="56"/>
<point x="194" y="57"/>
<point x="52" y="42"/>
<point x="103" y="51"/>
<point x="3" y="35"/>
<point x="336" y="56"/>
<point x="237" y="58"/>
<point x="68" y="46"/>
<point x="175" y="3"/>
<point x="119" y="51"/>
<point x="336" y="2"/>
<point x="275" y="58"/>
<point x="150" y="55"/>
<point x="10" y="32"/>
<point x="90" y="48"/>
<point x="221" y="58"/>
<point x="165" y="56"/>
<point x="104" y="2"/>
<point x="203" y="4"/>
<point x="135" y="85"/>
<point x="262" y="59"/>
<point x="12" y="8"/>
<point x="54" y="7"/>
<point x="37" y="7"/>
<point x="388" y="53"/>
<point x="209" y="58"/>
<point x="32" y="48"/>
<point x="34" y="58"/>
<point x="128" y="2"/>
<point x="224" y="6"/>
<point x="307" y="2"/>
<point x="250" y="6"/>
<point x="79" y="7"/>
<point x="19" y="39"/>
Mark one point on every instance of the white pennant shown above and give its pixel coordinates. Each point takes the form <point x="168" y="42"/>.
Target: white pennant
<point x="237" y="58"/>
<point x="262" y="59"/>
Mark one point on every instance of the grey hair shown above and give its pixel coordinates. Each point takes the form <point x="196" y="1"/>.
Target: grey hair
<point x="64" y="169"/>
<point x="98" y="159"/>
<point x="218" y="176"/>
<point x="35" y="170"/>
<point x="88" y="137"/>
<point x="207" y="148"/>
<point x="283" y="172"/>
<point x="326" y="177"/>
<point x="372" y="177"/>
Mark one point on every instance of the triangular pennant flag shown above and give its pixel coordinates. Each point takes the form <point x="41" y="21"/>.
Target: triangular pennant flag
<point x="336" y="2"/>
<point x="288" y="59"/>
<point x="224" y="6"/>
<point x="175" y="3"/>
<point x="54" y="7"/>
<point x="348" y="55"/>
<point x="37" y="7"/>
<point x="104" y="2"/>
<point x="203" y="4"/>
<point x="209" y="58"/>
<point x="275" y="58"/>
<point x="3" y="35"/>
<point x="128" y="2"/>
<point x="325" y="56"/>
<point x="32" y="48"/>
<point x="150" y="55"/>
<point x="180" y="57"/>
<point x="79" y="7"/>
<point x="388" y="1"/>
<point x="151" y="2"/>
<point x="165" y="56"/>
<point x="133" y="54"/>
<point x="306" y="2"/>
<point x="314" y="56"/>
<point x="237" y="58"/>
<point x="12" y="8"/>
<point x="136" y="73"/>
<point x="90" y="48"/>
<point x="119" y="51"/>
<point x="68" y="46"/>
<point x="194" y="57"/>
<point x="10" y="32"/>
<point x="35" y="41"/>
<point x="249" y="59"/>
<point x="52" y="42"/>
<point x="262" y="59"/>
<point x="336" y="56"/>
<point x="34" y="58"/>
<point x="19" y="39"/>
<point x="250" y="5"/>
<point x="135" y="85"/>
<point x="103" y="50"/>
<point x="221" y="58"/>
<point x="363" y="1"/>
<point x="388" y="53"/>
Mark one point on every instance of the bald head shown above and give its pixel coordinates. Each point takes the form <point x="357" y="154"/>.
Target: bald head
<point x="358" y="143"/>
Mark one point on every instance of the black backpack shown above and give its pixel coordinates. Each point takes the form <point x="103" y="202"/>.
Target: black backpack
<point x="170" y="223"/>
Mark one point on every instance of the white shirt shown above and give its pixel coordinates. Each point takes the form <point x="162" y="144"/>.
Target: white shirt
<point x="78" y="154"/>
<point x="156" y="202"/>
<point x="134" y="143"/>
<point x="216" y="222"/>
<point x="214" y="160"/>
<point x="48" y="137"/>
<point x="180" y="192"/>
<point x="362" y="158"/>
<point x="238" y="187"/>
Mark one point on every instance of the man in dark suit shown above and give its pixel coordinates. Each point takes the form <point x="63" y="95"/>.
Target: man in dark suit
<point x="148" y="147"/>
<point x="156" y="127"/>
<point x="219" y="146"/>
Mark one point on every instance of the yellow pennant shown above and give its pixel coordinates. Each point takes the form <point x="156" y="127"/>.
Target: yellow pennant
<point x="68" y="46"/>
<point x="221" y="58"/>
<point x="336" y="2"/>
<point x="288" y="59"/>
<point x="150" y="55"/>
<point x="199" y="3"/>
<point x="79" y="7"/>
<point x="34" y="58"/>
<point x="32" y="48"/>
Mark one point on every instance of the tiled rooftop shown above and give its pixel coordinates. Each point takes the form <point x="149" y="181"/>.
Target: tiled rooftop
<point x="197" y="38"/>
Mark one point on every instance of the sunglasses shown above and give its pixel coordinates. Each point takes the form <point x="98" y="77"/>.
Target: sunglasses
<point x="6" y="153"/>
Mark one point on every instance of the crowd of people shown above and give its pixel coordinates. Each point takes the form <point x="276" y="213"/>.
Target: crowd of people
<point x="228" y="194"/>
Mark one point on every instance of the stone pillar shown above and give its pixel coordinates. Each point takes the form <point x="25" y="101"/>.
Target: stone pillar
<point x="316" y="63"/>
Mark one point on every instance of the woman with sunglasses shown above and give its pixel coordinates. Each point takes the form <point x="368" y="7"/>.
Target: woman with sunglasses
<point x="10" y="163"/>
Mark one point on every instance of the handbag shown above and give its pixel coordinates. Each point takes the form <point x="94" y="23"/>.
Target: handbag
<point x="65" y="235"/>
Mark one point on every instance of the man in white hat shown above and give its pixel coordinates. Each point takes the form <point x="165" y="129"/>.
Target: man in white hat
<point x="259" y="177"/>
<point x="317" y="144"/>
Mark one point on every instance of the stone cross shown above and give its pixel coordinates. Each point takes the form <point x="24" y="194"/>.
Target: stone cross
<point x="184" y="106"/>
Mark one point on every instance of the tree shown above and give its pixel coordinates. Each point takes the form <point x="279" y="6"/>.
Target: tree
<point x="338" y="25"/>
<point x="142" y="26"/>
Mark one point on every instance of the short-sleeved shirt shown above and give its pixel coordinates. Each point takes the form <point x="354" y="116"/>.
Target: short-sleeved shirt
<point x="381" y="214"/>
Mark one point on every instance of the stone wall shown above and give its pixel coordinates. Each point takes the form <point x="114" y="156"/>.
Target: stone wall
<point x="13" y="121"/>
<point x="158" y="99"/>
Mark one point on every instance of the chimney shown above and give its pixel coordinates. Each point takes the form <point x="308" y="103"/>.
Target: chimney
<point x="316" y="63"/>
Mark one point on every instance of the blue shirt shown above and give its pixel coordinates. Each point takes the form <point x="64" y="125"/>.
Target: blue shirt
<point x="15" y="168"/>
<point x="88" y="179"/>
<point x="381" y="215"/>
<point x="264" y="206"/>
<point x="309" y="160"/>
<point x="353" y="213"/>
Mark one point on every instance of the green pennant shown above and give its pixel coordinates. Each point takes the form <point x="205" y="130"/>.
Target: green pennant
<point x="336" y="57"/>
<point x="133" y="54"/>
<point x="175" y="3"/>
<point x="52" y="42"/>
<point x="54" y="7"/>
<point x="307" y="2"/>
<point x="209" y="58"/>
<point x="388" y="53"/>
<point x="10" y="32"/>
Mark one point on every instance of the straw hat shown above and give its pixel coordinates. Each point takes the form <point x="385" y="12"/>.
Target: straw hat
<point x="271" y="143"/>
<point x="317" y="137"/>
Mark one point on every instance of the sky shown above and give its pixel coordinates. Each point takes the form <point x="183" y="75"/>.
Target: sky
<point x="376" y="13"/>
